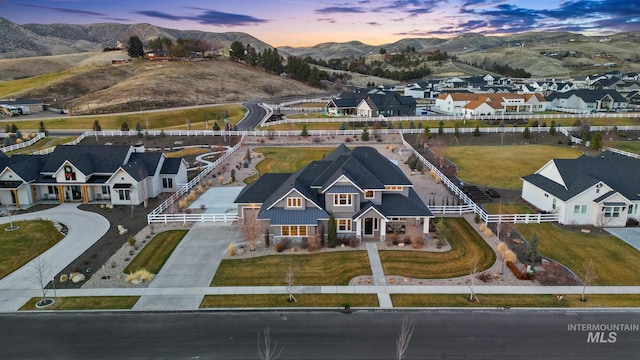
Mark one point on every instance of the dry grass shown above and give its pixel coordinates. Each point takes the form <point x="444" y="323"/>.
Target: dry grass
<point x="514" y="301"/>
<point x="155" y="254"/>
<point x="85" y="303"/>
<point x="281" y="300"/>
<point x="142" y="275"/>
<point x="506" y="162"/>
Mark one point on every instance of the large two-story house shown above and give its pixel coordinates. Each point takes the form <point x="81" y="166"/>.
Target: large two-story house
<point x="116" y="174"/>
<point x="601" y="190"/>
<point x="368" y="195"/>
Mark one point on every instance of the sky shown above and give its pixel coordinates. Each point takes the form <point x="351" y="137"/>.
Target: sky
<point x="374" y="22"/>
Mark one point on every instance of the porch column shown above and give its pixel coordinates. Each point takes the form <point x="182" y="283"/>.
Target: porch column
<point x="15" y="194"/>
<point x="425" y="225"/>
<point x="85" y="194"/>
<point x="359" y="228"/>
<point x="61" y="193"/>
<point x="383" y="230"/>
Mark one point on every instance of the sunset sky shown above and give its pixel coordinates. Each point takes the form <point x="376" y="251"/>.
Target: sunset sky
<point x="374" y="22"/>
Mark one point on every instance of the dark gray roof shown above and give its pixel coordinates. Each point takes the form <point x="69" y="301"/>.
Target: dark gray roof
<point x="604" y="196"/>
<point x="148" y="160"/>
<point x="588" y="96"/>
<point x="170" y="166"/>
<point x="618" y="171"/>
<point x="397" y="205"/>
<point x="25" y="166"/>
<point x="89" y="159"/>
<point x="280" y="216"/>
<point x="260" y="190"/>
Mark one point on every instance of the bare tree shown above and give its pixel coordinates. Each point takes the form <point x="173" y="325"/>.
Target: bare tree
<point x="602" y="221"/>
<point x="402" y="343"/>
<point x="588" y="277"/>
<point x="473" y="273"/>
<point x="39" y="265"/>
<point x="267" y="350"/>
<point x="289" y="279"/>
<point x="251" y="227"/>
<point x="502" y="248"/>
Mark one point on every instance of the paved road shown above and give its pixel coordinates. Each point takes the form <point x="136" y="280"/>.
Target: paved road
<point x="84" y="229"/>
<point x="254" y="115"/>
<point x="443" y="334"/>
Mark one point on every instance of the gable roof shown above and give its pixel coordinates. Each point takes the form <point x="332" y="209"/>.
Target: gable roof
<point x="588" y="95"/>
<point x="89" y="159"/>
<point x="618" y="171"/>
<point x="25" y="166"/>
<point x="260" y="190"/>
<point x="170" y="166"/>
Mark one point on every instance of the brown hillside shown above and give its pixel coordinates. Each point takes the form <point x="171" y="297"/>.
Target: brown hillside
<point x="148" y="85"/>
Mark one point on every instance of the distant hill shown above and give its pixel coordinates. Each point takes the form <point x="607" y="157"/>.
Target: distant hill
<point x="58" y="39"/>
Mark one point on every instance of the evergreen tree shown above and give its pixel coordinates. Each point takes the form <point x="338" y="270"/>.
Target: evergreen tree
<point x="216" y="127"/>
<point x="135" y="49"/>
<point x="13" y="128"/>
<point x="365" y="133"/>
<point x="96" y="126"/>
<point x="476" y="131"/>
<point x="441" y="128"/>
<point x="304" y="132"/>
<point x="43" y="128"/>
<point x="332" y="233"/>
<point x="248" y="156"/>
<point x="552" y="129"/>
<point x="138" y="126"/>
<point x="456" y="130"/>
<point x="596" y="141"/>
<point x="124" y="127"/>
<point x="236" y="53"/>
<point x="532" y="249"/>
<point x="526" y="134"/>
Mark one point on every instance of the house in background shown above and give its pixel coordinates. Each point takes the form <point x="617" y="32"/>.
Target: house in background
<point x="372" y="102"/>
<point x="117" y="174"/>
<point x="469" y="104"/>
<point x="369" y="196"/>
<point x="587" y="100"/>
<point x="601" y="190"/>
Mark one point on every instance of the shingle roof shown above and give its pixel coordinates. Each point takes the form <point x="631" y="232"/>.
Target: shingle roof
<point x="260" y="190"/>
<point x="170" y="166"/>
<point x="588" y="95"/>
<point x="150" y="161"/>
<point x="25" y="166"/>
<point x="280" y="216"/>
<point x="88" y="159"/>
<point x="618" y="171"/>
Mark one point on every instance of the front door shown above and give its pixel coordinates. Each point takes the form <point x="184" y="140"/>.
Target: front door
<point x="368" y="227"/>
<point x="73" y="193"/>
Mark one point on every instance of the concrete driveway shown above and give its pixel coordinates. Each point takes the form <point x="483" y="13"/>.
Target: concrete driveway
<point x="191" y="265"/>
<point x="84" y="229"/>
<point x="630" y="235"/>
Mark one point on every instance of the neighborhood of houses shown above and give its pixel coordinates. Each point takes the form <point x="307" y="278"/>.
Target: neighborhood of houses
<point x="488" y="96"/>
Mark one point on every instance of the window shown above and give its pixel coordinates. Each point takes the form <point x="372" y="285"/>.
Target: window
<point x="294" y="202"/>
<point x="344" y="225"/>
<point x="293" y="230"/>
<point x="52" y="189"/>
<point x="124" y="194"/>
<point x="368" y="194"/>
<point x="105" y="190"/>
<point x="612" y="211"/>
<point x="553" y="206"/>
<point x="580" y="209"/>
<point x="342" y="199"/>
<point x="69" y="174"/>
<point x="393" y="187"/>
<point x="631" y="208"/>
<point x="167" y="183"/>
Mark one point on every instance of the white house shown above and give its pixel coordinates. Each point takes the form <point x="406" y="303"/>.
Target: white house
<point x="489" y="104"/>
<point x="601" y="190"/>
<point x="117" y="174"/>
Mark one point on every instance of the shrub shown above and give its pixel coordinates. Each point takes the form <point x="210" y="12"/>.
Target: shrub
<point x="141" y="275"/>
<point x="280" y="247"/>
<point x="314" y="243"/>
<point x="477" y="219"/>
<point x="267" y="240"/>
<point x="348" y="139"/>
<point x="488" y="232"/>
<point x="632" y="222"/>
<point x="182" y="204"/>
<point x="199" y="189"/>
<point x="417" y="242"/>
<point x="483" y="227"/>
<point x="191" y="196"/>
<point x="232" y="249"/>
<point x="622" y="134"/>
<point x="354" y="242"/>
<point x="520" y="275"/>
<point x="132" y="241"/>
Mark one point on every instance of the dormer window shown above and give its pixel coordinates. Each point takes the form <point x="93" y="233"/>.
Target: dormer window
<point x="393" y="187"/>
<point x="369" y="194"/>
<point x="69" y="174"/>
<point x="294" y="202"/>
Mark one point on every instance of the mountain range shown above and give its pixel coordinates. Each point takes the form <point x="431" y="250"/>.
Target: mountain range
<point x="57" y="39"/>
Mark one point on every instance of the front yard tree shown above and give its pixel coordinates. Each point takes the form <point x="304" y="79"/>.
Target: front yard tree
<point x="124" y="127"/>
<point x="476" y="131"/>
<point x="43" y="128"/>
<point x="552" y="129"/>
<point x="332" y="232"/>
<point x="96" y="126"/>
<point x="304" y="132"/>
<point x="588" y="276"/>
<point x="402" y="343"/>
<point x="251" y="228"/>
<point x="135" y="49"/>
<point x="526" y="134"/>
<point x="596" y="141"/>
<point x="532" y="249"/>
<point x="441" y="128"/>
<point x="267" y="350"/>
<point x="237" y="51"/>
<point x="365" y="133"/>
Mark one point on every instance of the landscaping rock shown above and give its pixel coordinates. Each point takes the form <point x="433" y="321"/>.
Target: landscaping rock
<point x="78" y="278"/>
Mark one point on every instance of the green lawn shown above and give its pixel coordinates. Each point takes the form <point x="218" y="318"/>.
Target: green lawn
<point x="502" y="166"/>
<point x="328" y="268"/>
<point x="168" y="120"/>
<point x="514" y="301"/>
<point x="467" y="248"/>
<point x="20" y="246"/>
<point x="85" y="303"/>
<point x="630" y="146"/>
<point x="281" y="300"/>
<point x="508" y="208"/>
<point x="156" y="252"/>
<point x="614" y="262"/>
<point x="288" y="159"/>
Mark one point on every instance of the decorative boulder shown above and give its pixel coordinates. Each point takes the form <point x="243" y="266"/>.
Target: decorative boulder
<point x="77" y="278"/>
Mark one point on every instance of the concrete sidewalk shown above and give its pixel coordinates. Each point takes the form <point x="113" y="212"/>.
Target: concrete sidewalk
<point x="84" y="229"/>
<point x="191" y="265"/>
<point x="377" y="274"/>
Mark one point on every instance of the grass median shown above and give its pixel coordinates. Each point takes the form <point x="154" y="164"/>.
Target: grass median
<point x="467" y="248"/>
<point x="85" y="303"/>
<point x="281" y="300"/>
<point x="515" y="300"/>
<point x="18" y="247"/>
